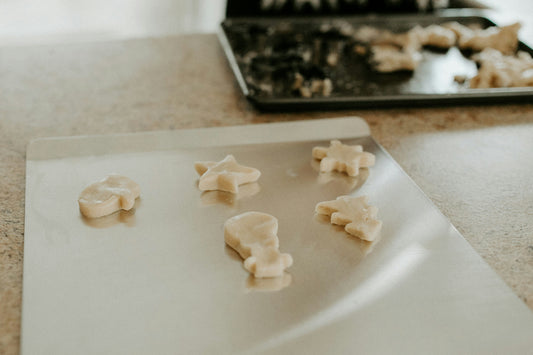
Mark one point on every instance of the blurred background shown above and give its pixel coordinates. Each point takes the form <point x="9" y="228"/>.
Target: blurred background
<point x="25" y="22"/>
<point x="30" y="22"/>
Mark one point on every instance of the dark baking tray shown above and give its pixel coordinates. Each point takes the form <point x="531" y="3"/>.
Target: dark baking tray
<point x="355" y="84"/>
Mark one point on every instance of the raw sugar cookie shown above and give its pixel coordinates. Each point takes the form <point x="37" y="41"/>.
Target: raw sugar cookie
<point x="504" y="39"/>
<point x="497" y="70"/>
<point x="253" y="236"/>
<point x="113" y="193"/>
<point x="386" y="58"/>
<point x="436" y="36"/>
<point x="343" y="158"/>
<point x="225" y="175"/>
<point x="358" y="217"/>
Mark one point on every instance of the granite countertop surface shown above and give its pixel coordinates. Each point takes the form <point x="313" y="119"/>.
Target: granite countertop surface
<point x="474" y="162"/>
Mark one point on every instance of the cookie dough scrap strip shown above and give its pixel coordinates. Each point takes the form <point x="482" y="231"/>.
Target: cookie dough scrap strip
<point x="111" y="194"/>
<point x="386" y="58"/>
<point x="225" y="175"/>
<point x="417" y="37"/>
<point x="504" y="39"/>
<point x="343" y="158"/>
<point x="376" y="36"/>
<point x="435" y="36"/>
<point x="498" y="70"/>
<point x="391" y="52"/>
<point x="358" y="217"/>
<point x="253" y="236"/>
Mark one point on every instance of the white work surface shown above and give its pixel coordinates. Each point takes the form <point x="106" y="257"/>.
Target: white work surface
<point x="160" y="280"/>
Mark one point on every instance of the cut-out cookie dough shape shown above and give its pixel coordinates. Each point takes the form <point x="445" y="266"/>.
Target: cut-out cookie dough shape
<point x="225" y="175"/>
<point x="358" y="217"/>
<point x="386" y="58"/>
<point x="436" y="36"/>
<point x="504" y="39"/>
<point x="253" y="236"/>
<point x="343" y="158"/>
<point x="498" y="70"/>
<point x="113" y="193"/>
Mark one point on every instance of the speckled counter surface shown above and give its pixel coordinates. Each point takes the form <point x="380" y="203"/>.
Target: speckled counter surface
<point x="475" y="163"/>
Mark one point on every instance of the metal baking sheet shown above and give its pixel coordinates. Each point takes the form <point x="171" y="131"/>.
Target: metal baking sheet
<point x="354" y="83"/>
<point x="160" y="280"/>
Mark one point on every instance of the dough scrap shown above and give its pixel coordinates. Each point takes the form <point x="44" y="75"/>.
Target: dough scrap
<point x="386" y="58"/>
<point x="358" y="217"/>
<point x="253" y="236"/>
<point x="497" y="70"/>
<point x="225" y="175"/>
<point x="306" y="88"/>
<point x="343" y="158"/>
<point x="409" y="41"/>
<point x="436" y="36"/>
<point x="113" y="193"/>
<point x="504" y="39"/>
<point x="376" y="36"/>
<point x="390" y="52"/>
<point x="366" y="34"/>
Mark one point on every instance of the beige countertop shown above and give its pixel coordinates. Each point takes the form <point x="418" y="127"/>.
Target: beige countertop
<point x="474" y="163"/>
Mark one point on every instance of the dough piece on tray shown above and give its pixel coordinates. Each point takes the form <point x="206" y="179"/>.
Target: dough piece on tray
<point x="358" y="217"/>
<point x="225" y="175"/>
<point x="113" y="193"/>
<point x="306" y="88"/>
<point x="343" y="158"/>
<point x="435" y="36"/>
<point x="376" y="36"/>
<point x="407" y="41"/>
<point x="403" y="48"/>
<point x="504" y="39"/>
<point x="367" y="34"/>
<point x="386" y="58"/>
<point x="497" y="70"/>
<point x="390" y="52"/>
<point x="253" y="236"/>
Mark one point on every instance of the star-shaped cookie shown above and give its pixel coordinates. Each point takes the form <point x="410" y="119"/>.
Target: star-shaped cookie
<point x="343" y="158"/>
<point x="225" y="175"/>
<point x="358" y="217"/>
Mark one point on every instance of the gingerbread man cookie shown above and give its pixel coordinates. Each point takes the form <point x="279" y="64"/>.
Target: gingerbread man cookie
<point x="253" y="236"/>
<point x="343" y="158"/>
<point x="225" y="175"/>
<point x="359" y="218"/>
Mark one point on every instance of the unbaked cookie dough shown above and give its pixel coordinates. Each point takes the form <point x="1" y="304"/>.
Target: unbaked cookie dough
<point x="435" y="36"/>
<point x="343" y="158"/>
<point x="358" y="217"/>
<point x="387" y="58"/>
<point x="499" y="71"/>
<point x="504" y="39"/>
<point x="391" y="52"/>
<point x="113" y="193"/>
<point x="253" y="236"/>
<point x="225" y="175"/>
